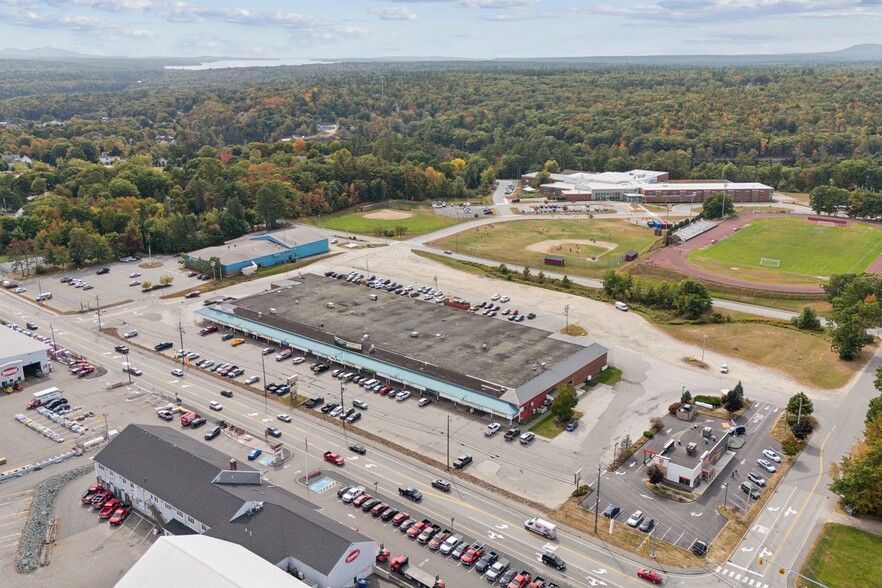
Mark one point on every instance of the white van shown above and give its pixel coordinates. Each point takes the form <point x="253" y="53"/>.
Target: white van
<point x="622" y="306"/>
<point x="541" y="527"/>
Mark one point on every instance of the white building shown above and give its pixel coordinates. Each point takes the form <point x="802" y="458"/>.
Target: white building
<point x="187" y="487"/>
<point x="21" y="356"/>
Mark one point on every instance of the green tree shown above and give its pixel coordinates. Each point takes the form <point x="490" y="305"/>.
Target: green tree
<point x="800" y="400"/>
<point x="733" y="401"/>
<point x="791" y="445"/>
<point x="717" y="205"/>
<point x="564" y="402"/>
<point x="802" y="429"/>
<point x="120" y="188"/>
<point x="807" y="319"/>
<point x="565" y="282"/>
<point x="875" y="408"/>
<point x="692" y="299"/>
<point x="856" y="477"/>
<point x="848" y="337"/>
<point x="654" y="474"/>
<point x="825" y="199"/>
<point x="686" y="397"/>
<point x="272" y="201"/>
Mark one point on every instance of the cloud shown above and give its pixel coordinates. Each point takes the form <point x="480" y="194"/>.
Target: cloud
<point x="91" y="25"/>
<point x="487" y="4"/>
<point x="394" y="13"/>
<point x="509" y="17"/>
<point x="724" y="11"/>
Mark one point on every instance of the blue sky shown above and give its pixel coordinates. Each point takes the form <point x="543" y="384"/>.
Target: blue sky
<point x="424" y="28"/>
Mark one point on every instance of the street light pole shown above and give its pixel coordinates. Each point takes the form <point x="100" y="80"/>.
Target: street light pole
<point x="567" y="314"/>
<point x="448" y="443"/>
<point x="436" y="288"/>
<point x="726" y="495"/>
<point x="263" y="370"/>
<point x="181" y="333"/>
<point x="703" y="343"/>
<point x="54" y="344"/>
<point x="98" y="309"/>
<point x="342" y="387"/>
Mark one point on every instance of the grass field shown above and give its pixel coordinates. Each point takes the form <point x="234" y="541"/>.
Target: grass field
<point x="422" y="220"/>
<point x="509" y="242"/>
<point x="842" y="556"/>
<point x="805" y="251"/>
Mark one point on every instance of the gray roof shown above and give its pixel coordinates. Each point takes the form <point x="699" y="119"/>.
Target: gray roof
<point x="256" y="245"/>
<point x="556" y="373"/>
<point x="182" y="471"/>
<point x="449" y="342"/>
<point x="13" y="343"/>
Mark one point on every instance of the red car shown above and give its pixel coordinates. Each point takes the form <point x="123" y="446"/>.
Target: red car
<point x="650" y="575"/>
<point x="361" y="500"/>
<point x="399" y="518"/>
<point x="418" y="527"/>
<point x="334" y="458"/>
<point x="91" y="492"/>
<point x="378" y="510"/>
<point x="108" y="508"/>
<point x="101" y="497"/>
<point x="121" y="514"/>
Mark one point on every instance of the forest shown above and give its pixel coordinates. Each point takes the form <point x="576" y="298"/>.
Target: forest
<point x="207" y="155"/>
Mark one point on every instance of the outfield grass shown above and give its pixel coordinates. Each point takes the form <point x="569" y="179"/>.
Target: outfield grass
<point x="423" y="219"/>
<point x="844" y="556"/>
<point x="805" y="251"/>
<point x="508" y="242"/>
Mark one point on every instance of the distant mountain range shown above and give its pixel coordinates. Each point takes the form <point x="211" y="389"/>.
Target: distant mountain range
<point x="868" y="52"/>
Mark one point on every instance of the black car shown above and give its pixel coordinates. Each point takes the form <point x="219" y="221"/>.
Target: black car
<point x="193" y="295"/>
<point x="329" y="407"/>
<point x="353" y="417"/>
<point x="227" y="393"/>
<point x="198" y="423"/>
<point x="512" y="434"/>
<point x="387" y="514"/>
<point x="212" y="433"/>
<point x="367" y="506"/>
<point x="699" y="548"/>
<point x="647" y="525"/>
<point x="103" y="270"/>
<point x="359" y="449"/>
<point x="612" y="511"/>
<point x="121" y="349"/>
<point x="554" y="561"/>
<point x="411" y="493"/>
<point x="343" y="490"/>
<point x="274" y="432"/>
<point x="163" y="346"/>
<point x="486" y="560"/>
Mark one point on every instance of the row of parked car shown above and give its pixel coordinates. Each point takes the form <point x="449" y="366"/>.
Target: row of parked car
<point x="436" y="537"/>
<point x="107" y="506"/>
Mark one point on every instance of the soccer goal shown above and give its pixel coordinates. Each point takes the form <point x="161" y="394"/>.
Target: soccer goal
<point x="768" y="262"/>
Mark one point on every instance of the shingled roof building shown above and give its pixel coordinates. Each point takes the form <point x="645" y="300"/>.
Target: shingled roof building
<point x="187" y="487"/>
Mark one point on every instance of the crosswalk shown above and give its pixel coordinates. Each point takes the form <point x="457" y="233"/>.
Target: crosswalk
<point x="743" y="577"/>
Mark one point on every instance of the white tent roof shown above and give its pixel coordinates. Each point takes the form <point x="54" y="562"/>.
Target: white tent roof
<point x="195" y="561"/>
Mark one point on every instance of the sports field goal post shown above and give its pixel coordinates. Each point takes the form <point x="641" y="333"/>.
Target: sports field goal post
<point x="768" y="262"/>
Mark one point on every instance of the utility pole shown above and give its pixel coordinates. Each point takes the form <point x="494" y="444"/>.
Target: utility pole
<point x="448" y="443"/>
<point x="726" y="495"/>
<point x="345" y="436"/>
<point x="597" y="499"/>
<point x="703" y="343"/>
<point x="567" y="314"/>
<point x="263" y="369"/>
<point x="54" y="344"/>
<point x="98" y="308"/>
<point x="181" y="332"/>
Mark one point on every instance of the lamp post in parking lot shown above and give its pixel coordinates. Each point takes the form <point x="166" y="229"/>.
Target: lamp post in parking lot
<point x="263" y="370"/>
<point x="726" y="495"/>
<point x="345" y="435"/>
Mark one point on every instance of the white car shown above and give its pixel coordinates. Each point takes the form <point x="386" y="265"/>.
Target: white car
<point x="135" y="275"/>
<point x="130" y="334"/>
<point x="504" y="299"/>
<point x="492" y="429"/>
<point x="766" y="466"/>
<point x="298" y="360"/>
<point x="267" y="351"/>
<point x="284" y="418"/>
<point x="215" y="405"/>
<point x="724" y="369"/>
<point x="252" y="380"/>
<point x="20" y="290"/>
<point x="178" y="372"/>
<point x="337" y="412"/>
<point x="353" y="493"/>
<point x="134" y="283"/>
<point x="495" y="297"/>
<point x="772" y="455"/>
<point x="403" y="396"/>
<point x="635" y="519"/>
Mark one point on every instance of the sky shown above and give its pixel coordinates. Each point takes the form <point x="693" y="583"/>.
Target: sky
<point x="327" y="29"/>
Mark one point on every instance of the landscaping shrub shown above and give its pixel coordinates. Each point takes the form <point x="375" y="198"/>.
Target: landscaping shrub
<point x="648" y="434"/>
<point x="672" y="409"/>
<point x="712" y="400"/>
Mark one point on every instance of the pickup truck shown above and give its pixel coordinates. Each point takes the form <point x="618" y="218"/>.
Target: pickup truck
<point x="423" y="579"/>
<point x="334" y="458"/>
<point x="538" y="582"/>
<point x="438" y="539"/>
<point x="512" y="434"/>
<point x="418" y="527"/>
<point x="428" y="533"/>
<point x="411" y="493"/>
<point x="520" y="580"/>
<point x="472" y="554"/>
<point x="462" y="461"/>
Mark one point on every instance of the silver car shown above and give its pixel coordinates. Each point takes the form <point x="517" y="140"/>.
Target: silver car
<point x="766" y="466"/>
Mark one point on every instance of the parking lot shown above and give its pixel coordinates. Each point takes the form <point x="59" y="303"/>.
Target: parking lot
<point x="683" y="523"/>
<point x="397" y="542"/>
<point x="110" y="288"/>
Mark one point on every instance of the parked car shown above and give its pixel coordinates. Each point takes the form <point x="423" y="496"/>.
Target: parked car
<point x="772" y="455"/>
<point x="252" y="380"/>
<point x="462" y="461"/>
<point x="425" y="401"/>
<point x="527" y="438"/>
<point x="237" y="342"/>
<point x="492" y="429"/>
<point x="635" y="519"/>
<point x="360" y="404"/>
<point x="103" y="270"/>
<point x="756" y="479"/>
<point x="512" y="434"/>
<point x="612" y="511"/>
<point x="212" y="433"/>
<point x="120" y="514"/>
<point x="766" y="466"/>
<point x="572" y="425"/>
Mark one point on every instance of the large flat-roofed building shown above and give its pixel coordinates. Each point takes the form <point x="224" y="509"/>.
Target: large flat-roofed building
<point x="189" y="488"/>
<point x="20" y="357"/>
<point x="644" y="186"/>
<point x="262" y="250"/>
<point x="483" y="363"/>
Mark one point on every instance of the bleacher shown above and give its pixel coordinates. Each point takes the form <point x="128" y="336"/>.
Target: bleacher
<point x="692" y="231"/>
